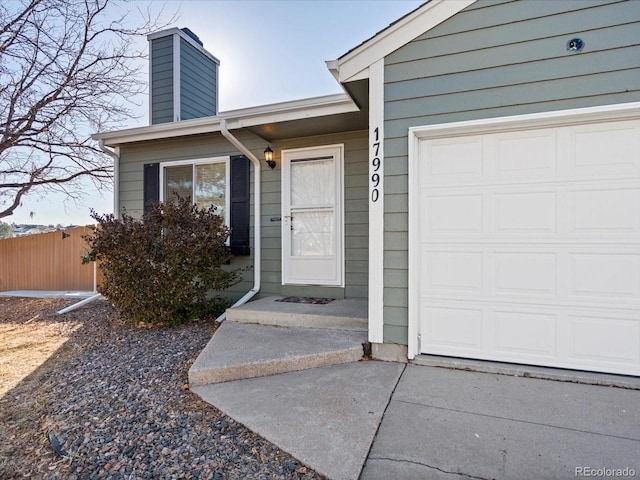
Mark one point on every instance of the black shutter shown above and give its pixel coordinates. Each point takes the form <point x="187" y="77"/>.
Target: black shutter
<point x="151" y="184"/>
<point x="240" y="205"/>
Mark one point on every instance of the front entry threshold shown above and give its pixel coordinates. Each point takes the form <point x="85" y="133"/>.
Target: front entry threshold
<point x="339" y="314"/>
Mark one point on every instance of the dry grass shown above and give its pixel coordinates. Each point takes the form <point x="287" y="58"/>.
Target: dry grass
<point x="33" y="343"/>
<point x="27" y="345"/>
<point x="117" y="398"/>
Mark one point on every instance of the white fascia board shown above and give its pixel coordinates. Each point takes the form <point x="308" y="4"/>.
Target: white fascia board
<point x="332" y="66"/>
<point x="163" y="33"/>
<point x="160" y="130"/>
<point x="246" y="117"/>
<point x="363" y="74"/>
<point x="431" y="14"/>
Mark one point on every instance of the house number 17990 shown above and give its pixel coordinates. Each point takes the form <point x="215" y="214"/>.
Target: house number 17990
<point x="376" y="163"/>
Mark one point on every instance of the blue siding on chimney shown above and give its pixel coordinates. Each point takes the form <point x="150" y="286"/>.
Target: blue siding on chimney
<point x="162" y="80"/>
<point x="198" y="83"/>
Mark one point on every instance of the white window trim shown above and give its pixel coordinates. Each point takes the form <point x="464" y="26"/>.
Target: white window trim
<point x="202" y="161"/>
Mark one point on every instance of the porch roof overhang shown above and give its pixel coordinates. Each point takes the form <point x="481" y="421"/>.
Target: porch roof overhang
<point x="299" y="118"/>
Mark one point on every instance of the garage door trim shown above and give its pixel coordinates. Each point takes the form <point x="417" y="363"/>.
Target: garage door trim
<point x="619" y="112"/>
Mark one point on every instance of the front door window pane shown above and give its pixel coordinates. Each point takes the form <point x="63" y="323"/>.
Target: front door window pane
<point x="312" y="234"/>
<point x="312" y="182"/>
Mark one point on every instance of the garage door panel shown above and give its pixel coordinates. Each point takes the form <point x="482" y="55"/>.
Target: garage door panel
<point x="525" y="212"/>
<point x="534" y="335"/>
<point x="453" y="329"/>
<point x="611" y="211"/>
<point x="605" y="149"/>
<point x="452" y="160"/>
<point x="525" y="154"/>
<point x="529" y="246"/>
<point x="452" y="271"/>
<point x="593" y="335"/>
<point x="525" y="273"/>
<point x="453" y="214"/>
<point x="609" y="276"/>
<point x="517" y="331"/>
<point x="559" y="274"/>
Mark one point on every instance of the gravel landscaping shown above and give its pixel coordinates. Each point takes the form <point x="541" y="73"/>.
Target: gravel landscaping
<point x="117" y="399"/>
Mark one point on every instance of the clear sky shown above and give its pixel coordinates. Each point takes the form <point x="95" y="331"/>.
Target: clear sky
<point x="269" y="51"/>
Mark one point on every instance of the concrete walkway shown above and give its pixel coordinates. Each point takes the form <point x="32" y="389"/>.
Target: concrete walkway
<point x="325" y="417"/>
<point x="380" y="420"/>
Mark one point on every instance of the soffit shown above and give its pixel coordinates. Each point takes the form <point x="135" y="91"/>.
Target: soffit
<point x="312" y="126"/>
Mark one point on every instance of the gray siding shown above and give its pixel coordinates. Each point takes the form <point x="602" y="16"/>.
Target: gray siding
<point x="133" y="157"/>
<point x="497" y="58"/>
<point x="162" y="80"/>
<point x="198" y="79"/>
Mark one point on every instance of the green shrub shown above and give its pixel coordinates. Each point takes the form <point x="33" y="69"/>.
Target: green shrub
<point x="164" y="268"/>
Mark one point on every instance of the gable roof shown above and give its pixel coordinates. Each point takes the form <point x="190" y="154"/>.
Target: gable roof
<point x="354" y="65"/>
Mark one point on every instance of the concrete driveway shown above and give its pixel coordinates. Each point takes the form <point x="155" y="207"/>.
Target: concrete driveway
<point x="454" y="424"/>
<point x="380" y="421"/>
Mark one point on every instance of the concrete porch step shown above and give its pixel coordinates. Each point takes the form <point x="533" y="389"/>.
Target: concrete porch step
<point x="243" y="350"/>
<point x="345" y="314"/>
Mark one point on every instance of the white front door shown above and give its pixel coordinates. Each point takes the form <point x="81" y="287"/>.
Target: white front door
<point x="312" y="238"/>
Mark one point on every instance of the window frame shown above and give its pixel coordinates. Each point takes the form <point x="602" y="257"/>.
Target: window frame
<point x="194" y="163"/>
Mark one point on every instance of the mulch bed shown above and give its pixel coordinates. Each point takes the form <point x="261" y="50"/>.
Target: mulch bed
<point x="117" y="399"/>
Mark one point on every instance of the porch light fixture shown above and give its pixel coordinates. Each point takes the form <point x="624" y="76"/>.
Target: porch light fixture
<point x="268" y="157"/>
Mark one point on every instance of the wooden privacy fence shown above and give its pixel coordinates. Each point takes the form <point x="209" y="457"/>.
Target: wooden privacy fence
<point x="47" y="261"/>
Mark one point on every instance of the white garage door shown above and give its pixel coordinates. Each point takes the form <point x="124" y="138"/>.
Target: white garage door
<point x="525" y="241"/>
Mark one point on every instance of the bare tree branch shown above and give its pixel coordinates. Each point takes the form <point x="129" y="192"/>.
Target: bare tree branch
<point x="67" y="68"/>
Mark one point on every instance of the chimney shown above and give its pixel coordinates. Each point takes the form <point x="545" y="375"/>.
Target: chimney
<point x="183" y="77"/>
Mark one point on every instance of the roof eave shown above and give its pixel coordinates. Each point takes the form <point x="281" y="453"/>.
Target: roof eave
<point x="241" y="118"/>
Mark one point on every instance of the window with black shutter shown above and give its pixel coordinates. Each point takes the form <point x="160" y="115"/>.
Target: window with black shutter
<point x="240" y="205"/>
<point x="221" y="181"/>
<point x="151" y="187"/>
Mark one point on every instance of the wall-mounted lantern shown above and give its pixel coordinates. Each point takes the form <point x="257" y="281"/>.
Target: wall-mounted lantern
<point x="268" y="157"/>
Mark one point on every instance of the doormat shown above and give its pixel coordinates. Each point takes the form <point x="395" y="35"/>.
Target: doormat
<point x="311" y="300"/>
